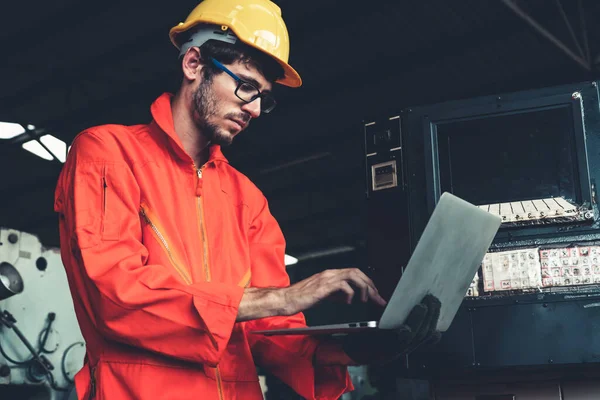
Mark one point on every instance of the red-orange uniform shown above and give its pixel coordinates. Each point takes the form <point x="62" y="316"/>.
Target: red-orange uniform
<point x="158" y="252"/>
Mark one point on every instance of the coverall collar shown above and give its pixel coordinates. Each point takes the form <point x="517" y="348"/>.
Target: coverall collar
<point x="163" y="116"/>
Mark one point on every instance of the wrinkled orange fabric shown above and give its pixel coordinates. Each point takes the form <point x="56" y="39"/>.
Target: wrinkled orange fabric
<point x="157" y="256"/>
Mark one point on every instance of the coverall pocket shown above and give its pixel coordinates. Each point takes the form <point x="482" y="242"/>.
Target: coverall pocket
<point x="82" y="208"/>
<point x="86" y="229"/>
<point x="110" y="199"/>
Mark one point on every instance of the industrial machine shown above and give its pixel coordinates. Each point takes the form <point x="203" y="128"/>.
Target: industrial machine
<point x="532" y="313"/>
<point x="41" y="346"/>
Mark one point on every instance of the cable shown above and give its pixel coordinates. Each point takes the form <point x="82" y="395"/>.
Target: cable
<point x="38" y="360"/>
<point x="45" y="333"/>
<point x="41" y="342"/>
<point x="53" y="384"/>
<point x="64" y="357"/>
<point x="11" y="360"/>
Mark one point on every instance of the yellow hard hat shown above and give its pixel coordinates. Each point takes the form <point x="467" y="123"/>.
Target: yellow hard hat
<point x="257" y="23"/>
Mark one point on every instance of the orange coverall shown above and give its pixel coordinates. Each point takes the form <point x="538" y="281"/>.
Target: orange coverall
<point x="158" y="252"/>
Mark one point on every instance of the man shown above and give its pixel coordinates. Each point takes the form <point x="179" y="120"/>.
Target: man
<point x="173" y="256"/>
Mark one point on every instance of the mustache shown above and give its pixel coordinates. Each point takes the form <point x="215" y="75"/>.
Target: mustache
<point x="244" y="117"/>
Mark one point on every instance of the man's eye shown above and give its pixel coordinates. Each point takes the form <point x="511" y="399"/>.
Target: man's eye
<point x="248" y="88"/>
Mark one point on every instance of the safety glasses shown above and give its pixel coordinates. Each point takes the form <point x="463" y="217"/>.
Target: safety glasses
<point x="247" y="92"/>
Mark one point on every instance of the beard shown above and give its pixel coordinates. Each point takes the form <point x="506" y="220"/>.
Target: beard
<point x="205" y="107"/>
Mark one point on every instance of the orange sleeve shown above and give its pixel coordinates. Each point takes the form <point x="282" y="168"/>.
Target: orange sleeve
<point x="290" y="358"/>
<point x="126" y="299"/>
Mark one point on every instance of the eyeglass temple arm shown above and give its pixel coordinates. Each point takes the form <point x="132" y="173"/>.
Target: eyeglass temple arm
<point x="224" y="69"/>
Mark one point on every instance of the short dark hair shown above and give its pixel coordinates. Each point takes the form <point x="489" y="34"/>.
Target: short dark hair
<point x="228" y="53"/>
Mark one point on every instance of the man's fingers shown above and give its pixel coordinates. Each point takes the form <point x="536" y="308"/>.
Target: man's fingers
<point x="346" y="288"/>
<point x="356" y="274"/>
<point x="350" y="280"/>
<point x="370" y="292"/>
<point x="374" y="295"/>
<point x="416" y="318"/>
<point x="433" y="305"/>
<point x="430" y="321"/>
<point x="368" y="289"/>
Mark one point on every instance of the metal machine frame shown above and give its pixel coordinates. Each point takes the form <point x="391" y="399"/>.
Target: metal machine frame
<point x="420" y="126"/>
<point x="497" y="332"/>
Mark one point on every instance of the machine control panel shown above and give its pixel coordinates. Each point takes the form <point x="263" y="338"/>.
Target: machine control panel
<point x="538" y="212"/>
<point x="538" y="269"/>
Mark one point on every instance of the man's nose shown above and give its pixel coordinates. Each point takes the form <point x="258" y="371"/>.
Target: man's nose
<point x="253" y="108"/>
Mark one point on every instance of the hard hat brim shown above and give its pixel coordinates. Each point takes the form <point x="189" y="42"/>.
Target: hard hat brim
<point x="291" y="77"/>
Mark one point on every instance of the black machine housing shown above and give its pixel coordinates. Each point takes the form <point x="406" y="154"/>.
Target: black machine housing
<point x="503" y="148"/>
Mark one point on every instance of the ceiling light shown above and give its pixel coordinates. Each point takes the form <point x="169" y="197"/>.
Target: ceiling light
<point x="56" y="146"/>
<point x="9" y="130"/>
<point x="36" y="148"/>
<point x="327" y="252"/>
<point x="31" y="127"/>
<point x="289" y="260"/>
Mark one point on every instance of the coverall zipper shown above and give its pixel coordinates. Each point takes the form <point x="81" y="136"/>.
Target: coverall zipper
<point x="182" y="271"/>
<point x="161" y="238"/>
<point x="93" y="384"/>
<point x="202" y="230"/>
<point x="104" y="187"/>
<point x="205" y="257"/>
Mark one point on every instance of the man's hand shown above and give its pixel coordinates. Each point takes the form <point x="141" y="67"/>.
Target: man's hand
<point x="307" y="293"/>
<point x="381" y="346"/>
<point x="260" y="303"/>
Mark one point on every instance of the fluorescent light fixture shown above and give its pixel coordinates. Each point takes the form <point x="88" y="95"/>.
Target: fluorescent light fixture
<point x="327" y="252"/>
<point x="36" y="148"/>
<point x="56" y="147"/>
<point x="289" y="260"/>
<point x="9" y="130"/>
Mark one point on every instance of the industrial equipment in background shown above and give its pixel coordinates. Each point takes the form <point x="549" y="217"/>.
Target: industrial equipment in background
<point x="41" y="346"/>
<point x="529" y="326"/>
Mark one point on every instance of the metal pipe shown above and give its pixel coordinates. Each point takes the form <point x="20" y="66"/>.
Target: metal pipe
<point x="517" y="10"/>
<point x="586" y="44"/>
<point x="570" y="27"/>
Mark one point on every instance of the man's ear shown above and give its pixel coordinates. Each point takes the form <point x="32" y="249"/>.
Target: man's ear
<point x="191" y="64"/>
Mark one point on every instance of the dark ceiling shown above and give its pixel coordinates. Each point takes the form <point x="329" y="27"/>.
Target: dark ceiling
<point x="70" y="64"/>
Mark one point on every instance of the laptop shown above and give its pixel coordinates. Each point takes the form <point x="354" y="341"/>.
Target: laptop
<point x="446" y="259"/>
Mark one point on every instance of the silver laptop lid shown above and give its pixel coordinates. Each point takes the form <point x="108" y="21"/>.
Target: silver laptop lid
<point x="444" y="262"/>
